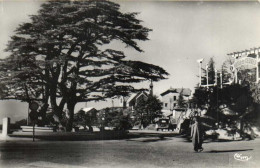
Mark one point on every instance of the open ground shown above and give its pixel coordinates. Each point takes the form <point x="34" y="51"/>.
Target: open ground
<point x="140" y="150"/>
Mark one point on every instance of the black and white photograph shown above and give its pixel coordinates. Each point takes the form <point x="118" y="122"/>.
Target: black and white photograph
<point x="129" y="84"/>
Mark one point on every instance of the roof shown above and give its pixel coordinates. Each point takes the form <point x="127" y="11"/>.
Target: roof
<point x="131" y="97"/>
<point x="186" y="91"/>
<point x="135" y="95"/>
<point x="86" y="109"/>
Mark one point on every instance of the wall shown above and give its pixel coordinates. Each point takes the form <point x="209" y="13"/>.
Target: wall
<point x="169" y="99"/>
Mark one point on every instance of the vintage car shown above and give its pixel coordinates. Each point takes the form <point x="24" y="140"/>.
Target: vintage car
<point x="165" y="124"/>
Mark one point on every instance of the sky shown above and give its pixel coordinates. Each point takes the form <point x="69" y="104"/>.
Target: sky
<point x="183" y="32"/>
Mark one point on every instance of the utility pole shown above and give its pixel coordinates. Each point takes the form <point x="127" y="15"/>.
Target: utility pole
<point x="207" y="73"/>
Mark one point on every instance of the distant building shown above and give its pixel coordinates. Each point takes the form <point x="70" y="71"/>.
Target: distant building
<point x="88" y="110"/>
<point x="170" y="103"/>
<point x="170" y="97"/>
<point x="131" y="101"/>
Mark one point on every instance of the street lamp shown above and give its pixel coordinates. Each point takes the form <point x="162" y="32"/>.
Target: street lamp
<point x="216" y="77"/>
<point x="103" y="121"/>
<point x="200" y="65"/>
<point x="207" y="73"/>
<point x="221" y="86"/>
<point x="257" y="68"/>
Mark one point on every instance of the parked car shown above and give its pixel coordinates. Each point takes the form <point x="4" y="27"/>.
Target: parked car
<point x="163" y="124"/>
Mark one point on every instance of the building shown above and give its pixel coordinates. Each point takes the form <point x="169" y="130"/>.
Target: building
<point x="170" y="97"/>
<point x="246" y="62"/>
<point x="131" y="101"/>
<point x="170" y="104"/>
<point x="91" y="111"/>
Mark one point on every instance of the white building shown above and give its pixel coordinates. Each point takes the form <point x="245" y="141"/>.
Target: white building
<point x="170" y="97"/>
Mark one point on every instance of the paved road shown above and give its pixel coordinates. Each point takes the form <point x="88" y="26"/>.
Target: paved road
<point x="148" y="151"/>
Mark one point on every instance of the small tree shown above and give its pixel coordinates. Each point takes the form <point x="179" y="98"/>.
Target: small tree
<point x="154" y="107"/>
<point x="227" y="73"/>
<point x="147" y="110"/>
<point x="119" y="118"/>
<point x="200" y="97"/>
<point x="121" y="121"/>
<point x="211" y="71"/>
<point x="181" y="102"/>
<point x="85" y="119"/>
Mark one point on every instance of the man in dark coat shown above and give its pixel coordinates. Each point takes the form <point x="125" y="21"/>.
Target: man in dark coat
<point x="197" y="135"/>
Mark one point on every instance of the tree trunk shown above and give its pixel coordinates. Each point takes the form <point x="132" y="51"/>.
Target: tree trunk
<point x="46" y="96"/>
<point x="70" y="106"/>
<point x="43" y="112"/>
<point x="142" y="121"/>
<point x="55" y="109"/>
<point x="241" y="127"/>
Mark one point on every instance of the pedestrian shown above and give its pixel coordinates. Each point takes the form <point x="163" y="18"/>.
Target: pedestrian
<point x="197" y="134"/>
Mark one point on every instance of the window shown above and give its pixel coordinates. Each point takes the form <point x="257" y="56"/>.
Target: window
<point x="174" y="105"/>
<point x="174" y="97"/>
<point x="166" y="104"/>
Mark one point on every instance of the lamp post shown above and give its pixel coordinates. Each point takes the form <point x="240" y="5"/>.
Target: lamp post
<point x="200" y="66"/>
<point x="216" y="77"/>
<point x="207" y="73"/>
<point x="221" y="86"/>
<point x="257" y="68"/>
<point x="103" y="121"/>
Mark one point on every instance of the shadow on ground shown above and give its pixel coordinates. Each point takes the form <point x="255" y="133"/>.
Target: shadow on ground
<point x="111" y="135"/>
<point x="149" y="140"/>
<point x="225" y="151"/>
<point x="105" y="135"/>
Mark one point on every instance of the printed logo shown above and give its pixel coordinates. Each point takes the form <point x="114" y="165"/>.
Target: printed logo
<point x="241" y="157"/>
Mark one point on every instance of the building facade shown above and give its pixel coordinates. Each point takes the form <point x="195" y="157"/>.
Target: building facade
<point x="170" y="97"/>
<point x="132" y="100"/>
<point x="170" y="108"/>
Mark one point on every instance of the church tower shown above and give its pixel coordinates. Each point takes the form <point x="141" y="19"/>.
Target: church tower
<point x="151" y="88"/>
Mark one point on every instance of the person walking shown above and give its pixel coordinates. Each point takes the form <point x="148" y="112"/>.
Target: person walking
<point x="197" y="134"/>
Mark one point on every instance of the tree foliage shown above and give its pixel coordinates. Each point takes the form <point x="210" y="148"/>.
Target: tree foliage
<point x="118" y="118"/>
<point x="232" y="104"/>
<point x="85" y="118"/>
<point x="147" y="110"/>
<point x="227" y="73"/>
<point x="65" y="52"/>
<point x="211" y="72"/>
<point x="181" y="102"/>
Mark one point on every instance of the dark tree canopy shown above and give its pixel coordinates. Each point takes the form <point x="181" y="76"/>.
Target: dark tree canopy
<point x="147" y="110"/>
<point x="231" y="104"/>
<point x="116" y="117"/>
<point x="211" y="72"/>
<point x="181" y="102"/>
<point x="64" y="53"/>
